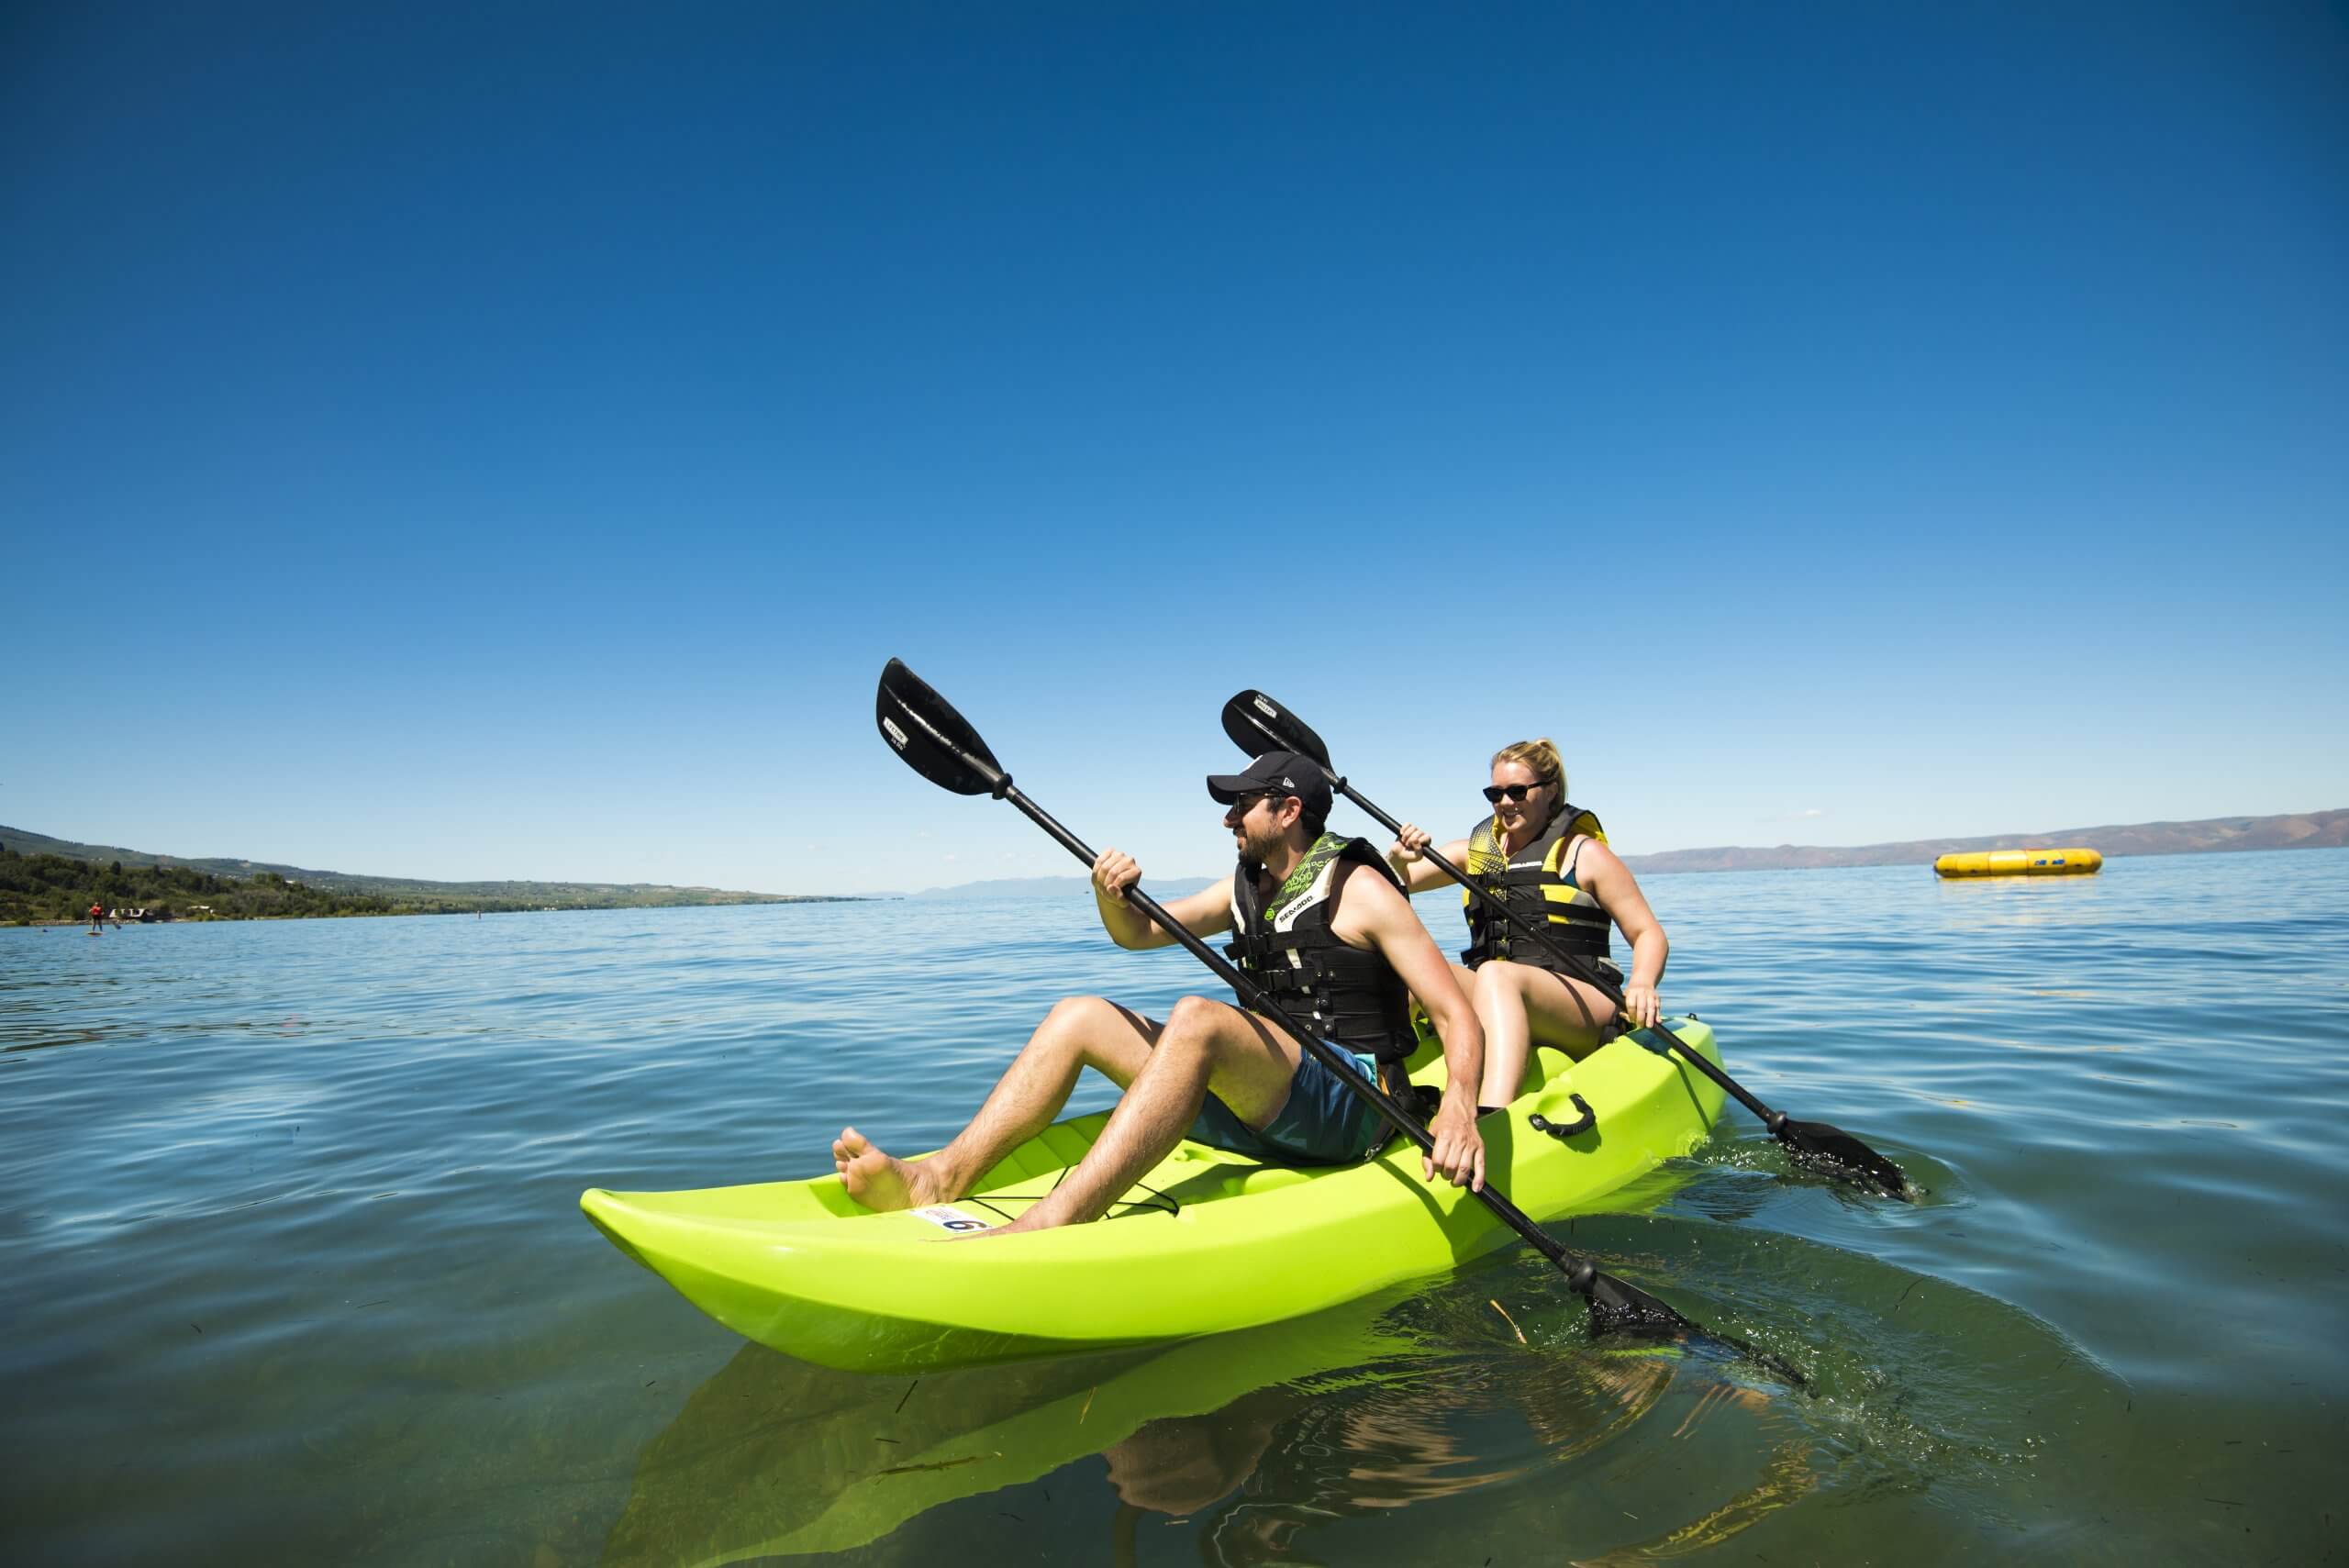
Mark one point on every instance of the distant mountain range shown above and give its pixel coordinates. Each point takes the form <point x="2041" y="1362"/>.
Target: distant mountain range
<point x="1054" y="887"/>
<point x="2306" y="830"/>
<point x="502" y="894"/>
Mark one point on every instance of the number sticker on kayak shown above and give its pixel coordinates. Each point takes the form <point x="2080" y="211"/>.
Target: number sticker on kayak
<point x="946" y="1216"/>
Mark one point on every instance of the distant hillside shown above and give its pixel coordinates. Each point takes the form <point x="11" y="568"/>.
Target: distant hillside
<point x="1055" y="887"/>
<point x="183" y="885"/>
<point x="2310" y="830"/>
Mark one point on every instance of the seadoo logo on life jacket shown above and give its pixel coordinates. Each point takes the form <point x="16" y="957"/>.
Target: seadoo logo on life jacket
<point x="897" y="737"/>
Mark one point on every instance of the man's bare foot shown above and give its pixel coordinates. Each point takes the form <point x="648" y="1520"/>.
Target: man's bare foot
<point x="1014" y="1229"/>
<point x="1039" y="1216"/>
<point x="882" y="1182"/>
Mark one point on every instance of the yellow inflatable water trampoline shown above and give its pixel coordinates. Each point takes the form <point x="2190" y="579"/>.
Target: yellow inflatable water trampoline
<point x="2020" y="862"/>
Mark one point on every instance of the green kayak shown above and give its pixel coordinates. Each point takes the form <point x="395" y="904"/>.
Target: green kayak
<point x="1208" y="1242"/>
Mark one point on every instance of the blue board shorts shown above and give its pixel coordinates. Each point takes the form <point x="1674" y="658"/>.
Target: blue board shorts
<point x="1324" y="1123"/>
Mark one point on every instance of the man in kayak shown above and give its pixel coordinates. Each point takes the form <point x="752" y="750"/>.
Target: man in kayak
<point x="1319" y="923"/>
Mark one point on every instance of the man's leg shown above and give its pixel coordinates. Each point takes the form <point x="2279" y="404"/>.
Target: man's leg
<point x="1206" y="1045"/>
<point x="1079" y="1032"/>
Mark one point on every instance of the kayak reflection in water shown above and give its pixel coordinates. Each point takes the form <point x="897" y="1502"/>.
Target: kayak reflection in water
<point x="1548" y="860"/>
<point x="1319" y="923"/>
<point x="1298" y="1458"/>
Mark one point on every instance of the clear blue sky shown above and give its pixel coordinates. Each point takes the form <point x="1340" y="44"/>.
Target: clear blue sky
<point x="504" y="440"/>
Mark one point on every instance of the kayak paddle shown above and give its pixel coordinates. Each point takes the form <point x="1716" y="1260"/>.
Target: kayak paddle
<point x="1256" y="723"/>
<point x="939" y="744"/>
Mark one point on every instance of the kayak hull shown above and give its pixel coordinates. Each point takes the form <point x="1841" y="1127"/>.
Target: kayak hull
<point x="1209" y="1242"/>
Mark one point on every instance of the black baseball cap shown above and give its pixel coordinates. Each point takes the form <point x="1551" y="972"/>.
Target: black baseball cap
<point x="1291" y="772"/>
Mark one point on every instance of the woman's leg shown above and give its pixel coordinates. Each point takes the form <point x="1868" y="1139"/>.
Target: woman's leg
<point x="1520" y="1007"/>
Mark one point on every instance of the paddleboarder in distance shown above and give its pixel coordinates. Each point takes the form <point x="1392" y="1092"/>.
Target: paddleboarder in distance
<point x="97" y="915"/>
<point x="1548" y="860"/>
<point x="1319" y="923"/>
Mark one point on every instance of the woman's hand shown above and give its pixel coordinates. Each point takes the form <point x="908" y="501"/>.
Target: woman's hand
<point x="1408" y="846"/>
<point x="1641" y="1004"/>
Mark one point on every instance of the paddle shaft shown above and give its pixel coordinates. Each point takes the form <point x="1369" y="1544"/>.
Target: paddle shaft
<point x="1582" y="968"/>
<point x="1579" y="1274"/>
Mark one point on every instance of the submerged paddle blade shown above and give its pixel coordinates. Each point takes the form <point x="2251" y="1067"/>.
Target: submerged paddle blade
<point x="1832" y="1152"/>
<point x="936" y="741"/>
<point x="1620" y="1308"/>
<point x="1257" y="724"/>
<point x="1624" y="1309"/>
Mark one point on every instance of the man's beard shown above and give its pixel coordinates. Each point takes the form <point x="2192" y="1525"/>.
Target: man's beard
<point x="1256" y="848"/>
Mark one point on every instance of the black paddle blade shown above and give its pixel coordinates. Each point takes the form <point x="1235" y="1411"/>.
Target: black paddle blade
<point x="1620" y="1308"/>
<point x="1617" y="1308"/>
<point x="936" y="741"/>
<point x="1832" y="1152"/>
<point x="1257" y="724"/>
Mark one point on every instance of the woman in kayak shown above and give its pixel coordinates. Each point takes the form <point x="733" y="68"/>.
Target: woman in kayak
<point x="1548" y="860"/>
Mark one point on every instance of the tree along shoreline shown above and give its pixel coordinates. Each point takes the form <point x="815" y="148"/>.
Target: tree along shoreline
<point x="58" y="890"/>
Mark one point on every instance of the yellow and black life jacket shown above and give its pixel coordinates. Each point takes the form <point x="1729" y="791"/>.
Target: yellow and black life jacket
<point x="1347" y="995"/>
<point x="1538" y="884"/>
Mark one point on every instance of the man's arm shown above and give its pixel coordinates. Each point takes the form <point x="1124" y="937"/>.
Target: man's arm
<point x="1203" y="914"/>
<point x="1370" y="910"/>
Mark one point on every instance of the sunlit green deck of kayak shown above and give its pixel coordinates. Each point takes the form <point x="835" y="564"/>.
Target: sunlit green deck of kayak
<point x="1206" y="1242"/>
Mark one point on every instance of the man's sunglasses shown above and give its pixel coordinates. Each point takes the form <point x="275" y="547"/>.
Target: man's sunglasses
<point x="1493" y="793"/>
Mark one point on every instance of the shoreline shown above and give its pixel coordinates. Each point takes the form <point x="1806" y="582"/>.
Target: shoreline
<point x="113" y="925"/>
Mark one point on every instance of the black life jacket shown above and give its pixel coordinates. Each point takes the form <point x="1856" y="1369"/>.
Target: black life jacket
<point x="1347" y="995"/>
<point x="1533" y="882"/>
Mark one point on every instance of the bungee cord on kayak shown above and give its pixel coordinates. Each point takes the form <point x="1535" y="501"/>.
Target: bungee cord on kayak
<point x="1157" y="1202"/>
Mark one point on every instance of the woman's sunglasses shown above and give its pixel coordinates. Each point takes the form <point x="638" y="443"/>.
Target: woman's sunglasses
<point x="1493" y="793"/>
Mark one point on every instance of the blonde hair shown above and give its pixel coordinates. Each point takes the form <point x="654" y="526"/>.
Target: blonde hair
<point x="1540" y="757"/>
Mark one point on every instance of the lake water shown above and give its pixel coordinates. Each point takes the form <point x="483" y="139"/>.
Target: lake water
<point x="295" y="1269"/>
